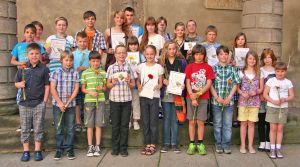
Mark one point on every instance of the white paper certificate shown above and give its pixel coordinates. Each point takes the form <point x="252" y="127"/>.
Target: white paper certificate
<point x="240" y="56"/>
<point x="121" y="76"/>
<point x="135" y="31"/>
<point x="148" y="86"/>
<point x="189" y="45"/>
<point x="56" y="45"/>
<point x="133" y="58"/>
<point x="176" y="82"/>
<point x="212" y="58"/>
<point x="117" y="39"/>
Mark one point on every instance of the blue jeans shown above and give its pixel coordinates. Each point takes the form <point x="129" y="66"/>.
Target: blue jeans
<point x="170" y="123"/>
<point x="222" y="125"/>
<point x="68" y="121"/>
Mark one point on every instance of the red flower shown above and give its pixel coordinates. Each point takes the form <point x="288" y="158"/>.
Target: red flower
<point x="23" y="67"/>
<point x="150" y="76"/>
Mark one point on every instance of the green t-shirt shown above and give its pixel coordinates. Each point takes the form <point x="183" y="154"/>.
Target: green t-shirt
<point x="91" y="79"/>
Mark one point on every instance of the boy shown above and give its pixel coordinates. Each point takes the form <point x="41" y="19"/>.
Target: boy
<point x="278" y="92"/>
<point x="137" y="30"/>
<point x="192" y="36"/>
<point x="223" y="89"/>
<point x="95" y="39"/>
<point x="81" y="63"/>
<point x="93" y="85"/>
<point x="199" y="76"/>
<point x="64" y="88"/>
<point x="120" y="80"/>
<point x="33" y="79"/>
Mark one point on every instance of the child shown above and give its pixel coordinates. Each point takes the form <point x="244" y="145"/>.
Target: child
<point x="129" y="18"/>
<point x="64" y="88"/>
<point x="278" y="92"/>
<point x="161" y="28"/>
<point x="81" y="63"/>
<point x="199" y="76"/>
<point x="93" y="85"/>
<point x="133" y="46"/>
<point x="39" y="32"/>
<point x="171" y="60"/>
<point x="149" y="84"/>
<point x="192" y="36"/>
<point x="179" y="33"/>
<point x="120" y="80"/>
<point x="61" y="25"/>
<point x="268" y="61"/>
<point x="223" y="89"/>
<point x="150" y="37"/>
<point x="33" y="79"/>
<point x="95" y="39"/>
<point x="249" y="89"/>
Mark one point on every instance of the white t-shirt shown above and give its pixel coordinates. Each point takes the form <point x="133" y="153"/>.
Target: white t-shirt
<point x="148" y="84"/>
<point x="250" y="76"/>
<point x="278" y="88"/>
<point x="69" y="43"/>
<point x="264" y="73"/>
<point x="158" y="41"/>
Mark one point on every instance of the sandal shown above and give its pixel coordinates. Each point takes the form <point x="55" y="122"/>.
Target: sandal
<point x="145" y="150"/>
<point x="151" y="150"/>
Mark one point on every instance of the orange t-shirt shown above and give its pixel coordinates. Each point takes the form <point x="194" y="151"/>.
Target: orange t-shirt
<point x="90" y="36"/>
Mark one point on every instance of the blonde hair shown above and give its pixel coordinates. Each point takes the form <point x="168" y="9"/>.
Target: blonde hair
<point x="66" y="54"/>
<point x="165" y="55"/>
<point x="61" y="18"/>
<point x="125" y="27"/>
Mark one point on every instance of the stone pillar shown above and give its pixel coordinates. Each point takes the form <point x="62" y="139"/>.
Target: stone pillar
<point x="8" y="31"/>
<point x="262" y="23"/>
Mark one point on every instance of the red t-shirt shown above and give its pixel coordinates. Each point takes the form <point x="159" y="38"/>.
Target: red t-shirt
<point x="198" y="74"/>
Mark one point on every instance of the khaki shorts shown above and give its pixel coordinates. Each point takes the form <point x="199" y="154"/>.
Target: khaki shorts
<point x="248" y="114"/>
<point x="276" y="115"/>
<point x="94" y="117"/>
<point x="201" y="112"/>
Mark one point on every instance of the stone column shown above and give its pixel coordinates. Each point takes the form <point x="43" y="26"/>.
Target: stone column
<point x="262" y="23"/>
<point x="8" y="31"/>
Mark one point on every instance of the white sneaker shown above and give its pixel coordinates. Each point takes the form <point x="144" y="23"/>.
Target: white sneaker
<point x="130" y="125"/>
<point x="136" y="126"/>
<point x="268" y="146"/>
<point x="90" y="152"/>
<point x="97" y="151"/>
<point x="262" y="146"/>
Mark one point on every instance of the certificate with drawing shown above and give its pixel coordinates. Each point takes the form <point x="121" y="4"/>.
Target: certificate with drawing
<point x="189" y="45"/>
<point x="133" y="57"/>
<point x="135" y="31"/>
<point x="117" y="39"/>
<point x="121" y="76"/>
<point x="148" y="82"/>
<point x="212" y="58"/>
<point x="56" y="46"/>
<point x="176" y="82"/>
<point x="240" y="56"/>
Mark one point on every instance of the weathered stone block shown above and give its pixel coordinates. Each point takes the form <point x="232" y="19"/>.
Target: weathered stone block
<point x="12" y="41"/>
<point x="7" y="74"/>
<point x="248" y="21"/>
<point x="8" y="91"/>
<point x="278" y="7"/>
<point x="258" y="35"/>
<point x="269" y="21"/>
<point x="3" y="42"/>
<point x="5" y="58"/>
<point x="276" y="35"/>
<point x="258" y="6"/>
<point x="3" y="9"/>
<point x="12" y="10"/>
<point x="223" y="4"/>
<point x="8" y="26"/>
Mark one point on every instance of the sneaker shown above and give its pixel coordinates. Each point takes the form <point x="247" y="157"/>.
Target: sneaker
<point x="71" y="155"/>
<point x="268" y="147"/>
<point x="90" y="152"/>
<point x="191" y="149"/>
<point x="77" y="128"/>
<point x="201" y="149"/>
<point x="273" y="153"/>
<point x="279" y="154"/>
<point x="235" y="124"/>
<point x="124" y="153"/>
<point x="19" y="129"/>
<point x="130" y="125"/>
<point x="97" y="151"/>
<point x="57" y="155"/>
<point x="176" y="149"/>
<point x="25" y="156"/>
<point x="83" y="128"/>
<point x="262" y="146"/>
<point x="136" y="126"/>
<point x="165" y="148"/>
<point x="38" y="156"/>
<point x="227" y="150"/>
<point x="219" y="149"/>
<point x="114" y="153"/>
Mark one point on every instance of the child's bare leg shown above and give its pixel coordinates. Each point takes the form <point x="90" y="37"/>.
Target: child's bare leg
<point x="243" y="132"/>
<point x="90" y="136"/>
<point x="250" y="135"/>
<point x="273" y="131"/>
<point x="77" y="114"/>
<point x="26" y="146"/>
<point x="37" y="145"/>
<point x="192" y="125"/>
<point x="200" y="129"/>
<point x="279" y="134"/>
<point x="98" y="135"/>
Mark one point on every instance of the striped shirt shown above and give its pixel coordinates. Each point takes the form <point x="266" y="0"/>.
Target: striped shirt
<point x="65" y="80"/>
<point x="121" y="91"/>
<point x="98" y="41"/>
<point x="226" y="78"/>
<point x="91" y="79"/>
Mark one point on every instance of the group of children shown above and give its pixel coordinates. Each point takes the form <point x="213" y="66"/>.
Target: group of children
<point x="214" y="87"/>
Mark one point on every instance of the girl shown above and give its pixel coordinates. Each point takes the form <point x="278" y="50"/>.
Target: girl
<point x="149" y="84"/>
<point x="171" y="60"/>
<point x="150" y="37"/>
<point x="61" y="25"/>
<point x="199" y="76"/>
<point x="162" y="26"/>
<point x="250" y="88"/>
<point x="120" y="27"/>
<point x="267" y="71"/>
<point x="133" y="46"/>
<point x="179" y="37"/>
